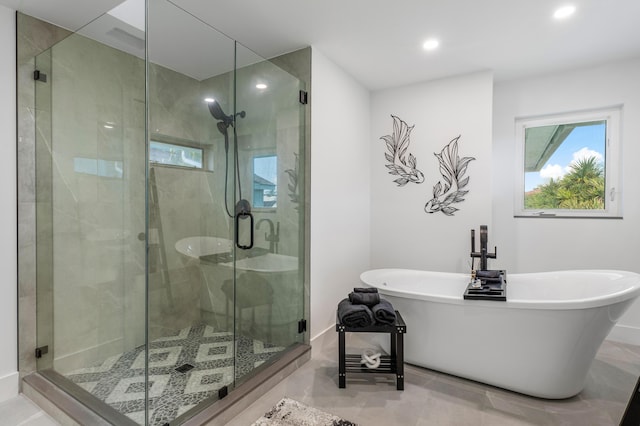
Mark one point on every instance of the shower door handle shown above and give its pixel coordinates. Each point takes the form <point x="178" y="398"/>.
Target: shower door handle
<point x="243" y="215"/>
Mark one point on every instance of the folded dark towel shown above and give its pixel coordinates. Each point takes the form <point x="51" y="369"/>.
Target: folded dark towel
<point x="488" y="273"/>
<point x="368" y="299"/>
<point x="383" y="312"/>
<point x="365" y="290"/>
<point x="354" y="315"/>
<point x="490" y="276"/>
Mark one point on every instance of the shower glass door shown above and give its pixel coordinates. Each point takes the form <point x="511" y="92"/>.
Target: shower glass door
<point x="225" y="274"/>
<point x="269" y="263"/>
<point x="190" y="234"/>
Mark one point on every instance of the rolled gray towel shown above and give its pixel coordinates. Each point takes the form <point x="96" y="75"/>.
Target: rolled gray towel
<point x="365" y="290"/>
<point x="383" y="312"/>
<point x="354" y="315"/>
<point x="368" y="299"/>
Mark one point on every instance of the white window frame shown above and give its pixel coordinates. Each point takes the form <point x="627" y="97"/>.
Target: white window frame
<point x="613" y="163"/>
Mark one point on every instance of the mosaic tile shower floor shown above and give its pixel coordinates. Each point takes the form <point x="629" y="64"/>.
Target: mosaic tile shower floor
<point x="119" y="380"/>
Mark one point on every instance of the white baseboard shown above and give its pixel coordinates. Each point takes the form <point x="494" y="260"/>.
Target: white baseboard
<point x="321" y="339"/>
<point x="319" y="335"/>
<point x="9" y="386"/>
<point x="625" y="334"/>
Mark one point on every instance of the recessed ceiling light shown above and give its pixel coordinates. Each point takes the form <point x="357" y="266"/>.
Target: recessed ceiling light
<point x="564" y="12"/>
<point x="108" y="126"/>
<point x="430" y="44"/>
<point x="261" y="86"/>
<point x="209" y="100"/>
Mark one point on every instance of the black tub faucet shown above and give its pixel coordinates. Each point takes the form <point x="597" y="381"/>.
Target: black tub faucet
<point x="273" y="237"/>
<point x="483" y="254"/>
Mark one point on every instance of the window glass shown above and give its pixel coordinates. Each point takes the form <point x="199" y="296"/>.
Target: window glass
<point x="175" y="155"/>
<point x="265" y="181"/>
<point x="564" y="166"/>
<point x="569" y="165"/>
<point x="98" y="167"/>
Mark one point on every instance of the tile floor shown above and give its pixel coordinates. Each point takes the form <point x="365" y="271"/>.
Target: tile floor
<point x="20" y="411"/>
<point x="430" y="398"/>
<point x="119" y="380"/>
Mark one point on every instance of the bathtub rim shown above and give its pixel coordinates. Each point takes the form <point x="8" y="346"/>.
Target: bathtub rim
<point x="584" y="303"/>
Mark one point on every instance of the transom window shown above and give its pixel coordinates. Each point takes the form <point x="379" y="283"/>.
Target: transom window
<point x="176" y="155"/>
<point x="569" y="165"/>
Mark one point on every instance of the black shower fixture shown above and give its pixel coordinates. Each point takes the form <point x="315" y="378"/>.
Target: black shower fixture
<point x="243" y="207"/>
<point x="216" y="110"/>
<point x="223" y="128"/>
<point x="224" y="120"/>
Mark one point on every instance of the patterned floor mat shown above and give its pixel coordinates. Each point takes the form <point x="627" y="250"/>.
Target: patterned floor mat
<point x="289" y="412"/>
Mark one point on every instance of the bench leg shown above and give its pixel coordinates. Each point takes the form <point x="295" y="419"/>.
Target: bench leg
<point x="392" y="337"/>
<point x="342" y="370"/>
<point x="399" y="361"/>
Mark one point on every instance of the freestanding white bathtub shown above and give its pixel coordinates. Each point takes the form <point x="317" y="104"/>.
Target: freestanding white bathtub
<point x="540" y="342"/>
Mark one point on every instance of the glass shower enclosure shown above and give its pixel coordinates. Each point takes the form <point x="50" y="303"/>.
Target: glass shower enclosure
<point x="170" y="213"/>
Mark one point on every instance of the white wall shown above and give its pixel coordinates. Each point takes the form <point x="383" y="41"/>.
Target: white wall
<point x="534" y="244"/>
<point x="8" y="219"/>
<point x="340" y="203"/>
<point x="403" y="235"/>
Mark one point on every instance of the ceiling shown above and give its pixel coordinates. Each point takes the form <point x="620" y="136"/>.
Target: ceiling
<point x="380" y="42"/>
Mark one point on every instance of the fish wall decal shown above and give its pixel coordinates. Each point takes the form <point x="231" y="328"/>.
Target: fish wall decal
<point x="452" y="169"/>
<point x="400" y="164"/>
